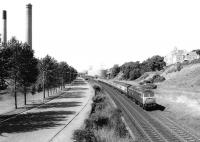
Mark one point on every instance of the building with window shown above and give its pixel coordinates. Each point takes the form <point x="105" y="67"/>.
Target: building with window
<point x="178" y="56"/>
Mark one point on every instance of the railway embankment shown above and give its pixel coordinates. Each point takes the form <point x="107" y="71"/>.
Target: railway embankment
<point x="179" y="94"/>
<point x="104" y="123"/>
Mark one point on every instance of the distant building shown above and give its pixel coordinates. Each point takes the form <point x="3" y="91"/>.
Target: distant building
<point x="191" y="56"/>
<point x="176" y="56"/>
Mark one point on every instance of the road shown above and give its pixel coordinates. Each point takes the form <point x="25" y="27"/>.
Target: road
<point x="53" y="121"/>
<point x="146" y="127"/>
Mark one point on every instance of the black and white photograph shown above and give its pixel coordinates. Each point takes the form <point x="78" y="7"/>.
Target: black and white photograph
<point x="99" y="71"/>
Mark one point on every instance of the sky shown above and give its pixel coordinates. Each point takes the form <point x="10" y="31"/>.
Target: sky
<point x="95" y="34"/>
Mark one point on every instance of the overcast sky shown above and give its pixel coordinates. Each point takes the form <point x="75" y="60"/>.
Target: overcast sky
<point x="100" y="33"/>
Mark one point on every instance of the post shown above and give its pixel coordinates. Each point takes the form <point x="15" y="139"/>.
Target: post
<point x="43" y="82"/>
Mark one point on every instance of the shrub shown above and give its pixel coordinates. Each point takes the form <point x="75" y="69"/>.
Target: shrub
<point x="97" y="87"/>
<point x="100" y="106"/>
<point x="149" y="86"/>
<point x="179" y="66"/>
<point x="158" y="78"/>
<point x="99" y="120"/>
<point x="89" y="124"/>
<point x="116" y="122"/>
<point x="84" y="135"/>
<point x="120" y="129"/>
<point x="98" y="99"/>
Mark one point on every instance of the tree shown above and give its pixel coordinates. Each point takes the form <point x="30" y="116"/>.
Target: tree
<point x="13" y="47"/>
<point x="115" y="70"/>
<point x="48" y="67"/>
<point x="134" y="74"/>
<point x="128" y="67"/>
<point x="5" y="54"/>
<point x="21" y="66"/>
<point x="28" y="70"/>
<point x="155" y="63"/>
<point x="63" y="70"/>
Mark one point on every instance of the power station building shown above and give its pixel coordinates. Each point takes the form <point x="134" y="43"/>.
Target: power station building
<point x="3" y="36"/>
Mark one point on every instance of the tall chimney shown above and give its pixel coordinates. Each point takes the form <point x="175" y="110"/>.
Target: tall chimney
<point x="29" y="24"/>
<point x="4" y="27"/>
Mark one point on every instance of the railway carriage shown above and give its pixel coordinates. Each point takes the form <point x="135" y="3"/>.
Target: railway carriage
<point x="143" y="97"/>
<point x="122" y="86"/>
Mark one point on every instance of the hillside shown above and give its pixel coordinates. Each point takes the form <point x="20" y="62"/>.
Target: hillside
<point x="180" y="94"/>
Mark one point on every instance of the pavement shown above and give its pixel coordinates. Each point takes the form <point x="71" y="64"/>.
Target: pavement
<point x="54" y="121"/>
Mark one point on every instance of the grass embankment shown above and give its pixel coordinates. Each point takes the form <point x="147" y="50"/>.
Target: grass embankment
<point x="104" y="123"/>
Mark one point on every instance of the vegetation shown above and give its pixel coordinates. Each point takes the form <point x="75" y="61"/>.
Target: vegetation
<point x="104" y="123"/>
<point x="21" y="71"/>
<point x="115" y="70"/>
<point x="133" y="70"/>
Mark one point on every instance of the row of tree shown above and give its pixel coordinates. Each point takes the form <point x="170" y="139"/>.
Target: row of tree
<point x="133" y="70"/>
<point x="22" y="72"/>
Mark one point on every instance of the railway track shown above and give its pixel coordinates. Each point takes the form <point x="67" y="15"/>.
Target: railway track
<point x="181" y="131"/>
<point x="150" y="128"/>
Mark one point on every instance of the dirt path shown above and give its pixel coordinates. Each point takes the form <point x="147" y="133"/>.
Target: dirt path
<point x="43" y="123"/>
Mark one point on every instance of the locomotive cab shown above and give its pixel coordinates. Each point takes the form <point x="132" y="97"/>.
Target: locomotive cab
<point x="149" y="99"/>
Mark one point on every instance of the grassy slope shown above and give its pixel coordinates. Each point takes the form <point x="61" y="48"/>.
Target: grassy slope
<point x="180" y="94"/>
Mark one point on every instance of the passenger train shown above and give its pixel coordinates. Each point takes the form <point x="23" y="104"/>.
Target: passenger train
<point x="143" y="97"/>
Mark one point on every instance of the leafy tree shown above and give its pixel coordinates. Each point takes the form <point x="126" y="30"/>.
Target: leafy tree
<point x="5" y="54"/>
<point x="28" y="71"/>
<point x="21" y="66"/>
<point x="128" y="67"/>
<point x="13" y="48"/>
<point x="48" y="66"/>
<point x="156" y="63"/>
<point x="63" y="70"/>
<point x="115" y="70"/>
<point x="134" y="74"/>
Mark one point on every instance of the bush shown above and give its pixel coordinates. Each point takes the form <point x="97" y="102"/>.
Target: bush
<point x="179" y="66"/>
<point x="89" y="123"/>
<point x="84" y="135"/>
<point x="174" y="68"/>
<point x="98" y="99"/>
<point x="149" y="86"/>
<point x="120" y="129"/>
<point x="100" y="106"/>
<point x="116" y="122"/>
<point x="99" y="120"/>
<point x="97" y="87"/>
<point x="158" y="78"/>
